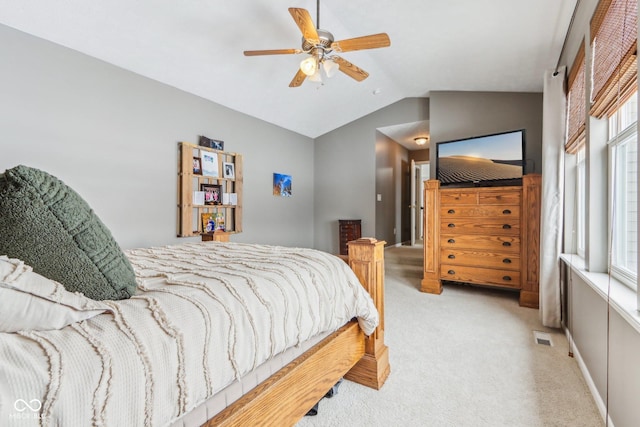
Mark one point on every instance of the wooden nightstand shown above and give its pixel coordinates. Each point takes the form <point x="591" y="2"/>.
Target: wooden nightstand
<point x="350" y="229"/>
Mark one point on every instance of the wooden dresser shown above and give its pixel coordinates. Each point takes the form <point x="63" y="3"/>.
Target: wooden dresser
<point x="349" y="229"/>
<point x="484" y="236"/>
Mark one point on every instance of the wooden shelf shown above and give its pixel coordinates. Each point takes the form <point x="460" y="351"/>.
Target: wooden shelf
<point x="189" y="222"/>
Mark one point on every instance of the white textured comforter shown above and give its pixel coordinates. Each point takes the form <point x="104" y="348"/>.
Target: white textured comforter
<point x="205" y="314"/>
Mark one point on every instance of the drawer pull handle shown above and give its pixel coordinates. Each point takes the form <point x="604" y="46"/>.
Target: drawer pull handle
<point x="451" y="211"/>
<point x="451" y="272"/>
<point x="506" y="227"/>
<point x="506" y="261"/>
<point x="451" y="241"/>
<point x="451" y="225"/>
<point x="506" y="278"/>
<point x="507" y="211"/>
<point x="451" y="256"/>
<point x="506" y="244"/>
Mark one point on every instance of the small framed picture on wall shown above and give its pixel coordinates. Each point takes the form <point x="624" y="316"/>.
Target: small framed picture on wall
<point x="228" y="169"/>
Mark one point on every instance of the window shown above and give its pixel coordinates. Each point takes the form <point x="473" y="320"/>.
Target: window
<point x="581" y="204"/>
<point x="623" y="157"/>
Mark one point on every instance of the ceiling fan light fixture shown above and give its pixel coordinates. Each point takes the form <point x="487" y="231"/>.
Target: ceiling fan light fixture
<point x="309" y="66"/>
<point x="421" y="140"/>
<point x="316" y="77"/>
<point x="330" y="67"/>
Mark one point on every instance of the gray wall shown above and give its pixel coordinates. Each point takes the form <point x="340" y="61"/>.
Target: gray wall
<point x="593" y="339"/>
<point x="345" y="170"/>
<point x="112" y="135"/>
<point x="465" y="114"/>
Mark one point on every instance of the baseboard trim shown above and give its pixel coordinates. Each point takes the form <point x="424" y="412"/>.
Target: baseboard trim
<point x="602" y="408"/>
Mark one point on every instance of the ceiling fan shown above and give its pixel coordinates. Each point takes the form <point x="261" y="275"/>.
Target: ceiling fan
<point x="320" y="46"/>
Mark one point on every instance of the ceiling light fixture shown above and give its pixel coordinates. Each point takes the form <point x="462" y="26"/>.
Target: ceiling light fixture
<point x="330" y="67"/>
<point x="309" y="66"/>
<point x="421" y="140"/>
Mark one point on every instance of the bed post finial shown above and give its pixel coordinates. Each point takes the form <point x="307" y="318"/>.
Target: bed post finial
<point x="366" y="259"/>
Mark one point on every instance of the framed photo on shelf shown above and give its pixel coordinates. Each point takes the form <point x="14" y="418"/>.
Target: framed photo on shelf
<point x="219" y="221"/>
<point x="208" y="222"/>
<point x="197" y="166"/>
<point x="212" y="194"/>
<point x="203" y="141"/>
<point x="229" y="170"/>
<point x="209" y="163"/>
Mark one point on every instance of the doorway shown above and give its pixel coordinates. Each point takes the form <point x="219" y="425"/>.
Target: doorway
<point x="418" y="171"/>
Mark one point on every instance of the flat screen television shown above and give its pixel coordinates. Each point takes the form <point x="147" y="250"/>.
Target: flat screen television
<point x="487" y="160"/>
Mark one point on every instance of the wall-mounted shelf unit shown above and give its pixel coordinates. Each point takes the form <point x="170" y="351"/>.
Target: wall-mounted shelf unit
<point x="190" y="213"/>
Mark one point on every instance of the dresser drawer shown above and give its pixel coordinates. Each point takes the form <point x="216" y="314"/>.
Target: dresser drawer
<point x="499" y="198"/>
<point x="482" y="276"/>
<point x="448" y="197"/>
<point x="479" y="211"/>
<point x="505" y="261"/>
<point x="505" y="244"/>
<point x="480" y="196"/>
<point x="485" y="226"/>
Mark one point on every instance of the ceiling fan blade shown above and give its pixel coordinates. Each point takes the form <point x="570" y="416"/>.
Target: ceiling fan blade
<point x="349" y="69"/>
<point x="359" y="43"/>
<point x="305" y="23"/>
<point x="271" y="52"/>
<point x="298" y="79"/>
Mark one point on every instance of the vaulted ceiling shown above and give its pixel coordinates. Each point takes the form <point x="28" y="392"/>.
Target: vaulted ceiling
<point x="197" y="46"/>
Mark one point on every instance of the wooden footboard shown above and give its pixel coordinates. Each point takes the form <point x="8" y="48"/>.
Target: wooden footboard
<point x="287" y="396"/>
<point x="366" y="259"/>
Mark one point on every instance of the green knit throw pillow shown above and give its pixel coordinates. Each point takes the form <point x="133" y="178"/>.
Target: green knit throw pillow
<point x="51" y="228"/>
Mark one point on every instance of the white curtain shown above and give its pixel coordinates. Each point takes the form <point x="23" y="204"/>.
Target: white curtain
<point x="553" y="138"/>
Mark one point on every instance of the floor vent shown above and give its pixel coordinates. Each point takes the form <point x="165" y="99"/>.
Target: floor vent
<point x="542" y="338"/>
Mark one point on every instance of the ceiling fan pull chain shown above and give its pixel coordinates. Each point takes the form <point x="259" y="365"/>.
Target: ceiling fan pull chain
<point x="318" y="14"/>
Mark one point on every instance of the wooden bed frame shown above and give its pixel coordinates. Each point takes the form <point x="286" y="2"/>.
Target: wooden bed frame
<point x="285" y="397"/>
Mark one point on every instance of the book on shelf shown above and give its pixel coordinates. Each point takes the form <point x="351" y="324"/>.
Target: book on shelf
<point x="198" y="197"/>
<point x="230" y="199"/>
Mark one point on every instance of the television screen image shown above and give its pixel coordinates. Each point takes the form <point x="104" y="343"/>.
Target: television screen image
<point x="482" y="160"/>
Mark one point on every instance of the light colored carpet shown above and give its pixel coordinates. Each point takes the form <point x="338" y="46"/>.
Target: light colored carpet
<point x="466" y="357"/>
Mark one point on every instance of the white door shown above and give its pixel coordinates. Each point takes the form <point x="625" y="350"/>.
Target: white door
<point x="416" y="204"/>
<point x="424" y="175"/>
<point x="412" y="204"/>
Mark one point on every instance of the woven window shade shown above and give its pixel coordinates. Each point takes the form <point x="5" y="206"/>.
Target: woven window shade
<point x="576" y="104"/>
<point x="614" y="42"/>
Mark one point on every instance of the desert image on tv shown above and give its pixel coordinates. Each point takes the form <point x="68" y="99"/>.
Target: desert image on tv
<point x="498" y="157"/>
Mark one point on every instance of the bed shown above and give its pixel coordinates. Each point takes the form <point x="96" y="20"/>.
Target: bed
<point x="269" y="326"/>
<point x="202" y="333"/>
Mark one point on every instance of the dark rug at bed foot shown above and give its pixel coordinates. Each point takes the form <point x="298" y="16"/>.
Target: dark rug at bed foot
<point x="332" y="392"/>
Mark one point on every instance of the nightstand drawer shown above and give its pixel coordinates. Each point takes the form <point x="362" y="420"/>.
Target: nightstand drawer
<point x="482" y="276"/>
<point x="482" y="258"/>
